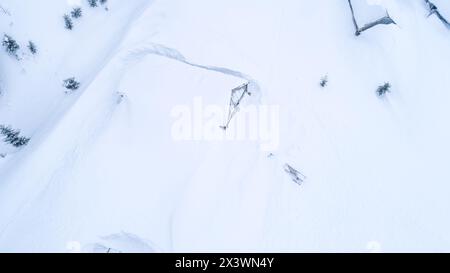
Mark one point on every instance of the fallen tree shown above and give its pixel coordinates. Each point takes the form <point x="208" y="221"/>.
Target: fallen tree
<point x="386" y="20"/>
<point x="433" y="9"/>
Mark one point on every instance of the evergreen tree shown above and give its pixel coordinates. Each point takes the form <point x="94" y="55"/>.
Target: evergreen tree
<point x="68" y="22"/>
<point x="76" y="13"/>
<point x="10" y="45"/>
<point x="13" y="137"/>
<point x="93" y="3"/>
<point x="71" y="84"/>
<point x="32" y="47"/>
<point x="383" y="89"/>
<point x="20" y="141"/>
<point x="7" y="132"/>
<point x="324" y="81"/>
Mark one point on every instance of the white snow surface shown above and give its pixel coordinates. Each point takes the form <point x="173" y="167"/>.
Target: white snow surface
<point x="106" y="173"/>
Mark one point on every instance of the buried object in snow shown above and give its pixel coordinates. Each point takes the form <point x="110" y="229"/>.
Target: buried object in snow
<point x="237" y="95"/>
<point x="296" y="176"/>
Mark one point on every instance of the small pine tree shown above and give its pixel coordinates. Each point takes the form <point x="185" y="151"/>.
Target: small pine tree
<point x="68" y="23"/>
<point x="76" y="13"/>
<point x="71" y="84"/>
<point x="13" y="137"/>
<point x="32" y="47"/>
<point x="21" y="141"/>
<point x="7" y="132"/>
<point x="383" y="89"/>
<point x="324" y="81"/>
<point x="10" y="45"/>
<point x="93" y="3"/>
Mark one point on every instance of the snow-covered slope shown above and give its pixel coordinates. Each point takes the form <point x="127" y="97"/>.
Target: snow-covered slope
<point x="105" y="170"/>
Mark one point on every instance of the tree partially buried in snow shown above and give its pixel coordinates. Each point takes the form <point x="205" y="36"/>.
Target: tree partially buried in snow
<point x="71" y="84"/>
<point x="383" y="89"/>
<point x="93" y="3"/>
<point x="68" y="23"/>
<point x="13" y="137"/>
<point x="32" y="47"/>
<point x="324" y="81"/>
<point x="10" y="45"/>
<point x="76" y="13"/>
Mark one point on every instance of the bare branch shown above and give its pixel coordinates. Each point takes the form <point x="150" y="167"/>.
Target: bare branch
<point x="382" y="21"/>
<point x="354" y="19"/>
<point x="5" y="11"/>
<point x="386" y="20"/>
<point x="434" y="10"/>
<point x="296" y="176"/>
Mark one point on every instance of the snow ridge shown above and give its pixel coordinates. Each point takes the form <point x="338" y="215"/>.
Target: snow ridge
<point x="171" y="53"/>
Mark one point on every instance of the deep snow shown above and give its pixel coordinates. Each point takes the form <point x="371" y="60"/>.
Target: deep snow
<point x="104" y="172"/>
